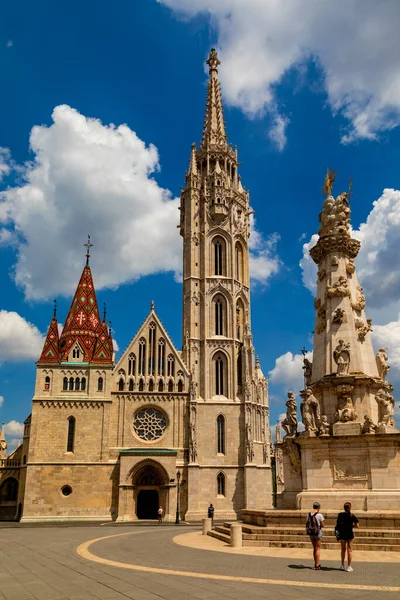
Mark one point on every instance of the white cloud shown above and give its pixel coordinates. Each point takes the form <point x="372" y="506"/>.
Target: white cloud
<point x="10" y="44"/>
<point x="277" y="132"/>
<point x="4" y="162"/>
<point x="14" y="428"/>
<point x="288" y="371"/>
<point x="19" y="339"/>
<point x="115" y="345"/>
<point x="87" y="177"/>
<point x="354" y="42"/>
<point x="1" y="401"/>
<point x="388" y="336"/>
<point x="264" y="261"/>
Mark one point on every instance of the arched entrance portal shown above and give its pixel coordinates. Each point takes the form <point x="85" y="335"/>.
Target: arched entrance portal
<point x="149" y="485"/>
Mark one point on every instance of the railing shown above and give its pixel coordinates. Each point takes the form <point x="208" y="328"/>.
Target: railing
<point x="6" y="463"/>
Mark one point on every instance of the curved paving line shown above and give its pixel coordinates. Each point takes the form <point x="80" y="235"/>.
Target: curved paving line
<point x="83" y="551"/>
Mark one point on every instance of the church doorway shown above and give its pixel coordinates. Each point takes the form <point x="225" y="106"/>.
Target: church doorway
<point x="147" y="504"/>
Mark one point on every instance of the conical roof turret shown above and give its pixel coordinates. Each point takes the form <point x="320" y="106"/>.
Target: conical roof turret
<point x="214" y="126"/>
<point x="51" y="349"/>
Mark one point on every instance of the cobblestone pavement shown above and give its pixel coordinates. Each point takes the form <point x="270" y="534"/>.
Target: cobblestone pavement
<point x="43" y="564"/>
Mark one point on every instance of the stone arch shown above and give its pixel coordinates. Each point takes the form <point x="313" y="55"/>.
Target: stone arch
<point x="135" y="473"/>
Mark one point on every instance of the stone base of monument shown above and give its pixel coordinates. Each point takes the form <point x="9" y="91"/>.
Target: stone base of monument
<point x="349" y="428"/>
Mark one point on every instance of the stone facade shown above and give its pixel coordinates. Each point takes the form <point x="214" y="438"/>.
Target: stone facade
<point x="164" y="427"/>
<point x="350" y="449"/>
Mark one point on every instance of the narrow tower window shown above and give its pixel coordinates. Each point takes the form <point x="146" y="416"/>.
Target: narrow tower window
<point x="71" y="384"/>
<point x="142" y="356"/>
<point x="180" y="385"/>
<point x="65" y="384"/>
<point x="219" y="375"/>
<point x="219" y="256"/>
<point x="121" y="385"/>
<point x="170" y="385"/>
<point x="132" y="364"/>
<point x="83" y="384"/>
<point x="100" y="384"/>
<point x="131" y="385"/>
<point x="160" y="386"/>
<point x="221" y="434"/>
<point x="47" y="383"/>
<point x="221" y="484"/>
<point x="71" y="434"/>
<point x="171" y="366"/>
<point x="239" y="261"/>
<point x="77" y="384"/>
<point x="161" y="357"/>
<point x="152" y="348"/>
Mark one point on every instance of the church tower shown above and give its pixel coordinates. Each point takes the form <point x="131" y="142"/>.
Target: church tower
<point x="229" y="394"/>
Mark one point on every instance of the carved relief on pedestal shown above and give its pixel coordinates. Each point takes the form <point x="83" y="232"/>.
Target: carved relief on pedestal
<point x="363" y="328"/>
<point x="324" y="428"/>
<point x="289" y="424"/>
<point x="368" y="425"/>
<point x="339" y="316"/>
<point x="291" y="449"/>
<point x="310" y="411"/>
<point x="385" y="406"/>
<point x="359" y="303"/>
<point x="341" y="356"/>
<point x="321" y="322"/>
<point x="381" y="362"/>
<point x="349" y="470"/>
<point x="339" y="288"/>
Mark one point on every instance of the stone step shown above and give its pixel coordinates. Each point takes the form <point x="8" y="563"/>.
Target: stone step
<point x="325" y="545"/>
<point x="391" y="541"/>
<point x="219" y="536"/>
<point x="297" y="530"/>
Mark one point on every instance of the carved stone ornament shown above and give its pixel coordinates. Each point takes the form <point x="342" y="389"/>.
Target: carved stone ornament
<point x="381" y="362"/>
<point x="350" y="266"/>
<point x="334" y="243"/>
<point x="317" y="303"/>
<point x="278" y="436"/>
<point x="346" y="411"/>
<point x="323" y="429"/>
<point x="359" y="303"/>
<point x="363" y="328"/>
<point x="334" y="260"/>
<point x="289" y="424"/>
<point x="307" y="368"/>
<point x="193" y="444"/>
<point x="341" y="356"/>
<point x="339" y="288"/>
<point x="291" y="449"/>
<point x="368" y="425"/>
<point x="321" y="274"/>
<point x="310" y="411"/>
<point x="335" y="216"/>
<point x="339" y="316"/>
<point x="322" y="322"/>
<point x="386" y="408"/>
<point x="249" y="444"/>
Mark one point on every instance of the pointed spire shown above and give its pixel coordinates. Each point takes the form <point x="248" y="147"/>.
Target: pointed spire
<point x="51" y="347"/>
<point x="83" y="324"/>
<point x="88" y="245"/>
<point x="3" y="443"/>
<point x="152" y="306"/>
<point x="193" y="161"/>
<point x="214" y="126"/>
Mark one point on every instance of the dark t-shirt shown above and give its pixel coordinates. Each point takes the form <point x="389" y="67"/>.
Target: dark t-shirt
<point x="344" y="525"/>
<point x="210" y="512"/>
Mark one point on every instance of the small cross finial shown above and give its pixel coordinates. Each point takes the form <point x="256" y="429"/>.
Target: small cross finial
<point x="152" y="305"/>
<point x="55" y="309"/>
<point x="88" y="245"/>
<point x="109" y="328"/>
<point x="104" y="311"/>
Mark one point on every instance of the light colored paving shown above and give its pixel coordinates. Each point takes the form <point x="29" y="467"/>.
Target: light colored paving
<point x="84" y="551"/>
<point x="199" y="541"/>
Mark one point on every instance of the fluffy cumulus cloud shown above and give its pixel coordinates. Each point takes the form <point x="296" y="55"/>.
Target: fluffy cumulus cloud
<point x="87" y="177"/>
<point x="354" y="42"/>
<point x="288" y="371"/>
<point x="4" y="162"/>
<point x="19" y="339"/>
<point x="13" y="428"/>
<point x="1" y="401"/>
<point x="264" y="260"/>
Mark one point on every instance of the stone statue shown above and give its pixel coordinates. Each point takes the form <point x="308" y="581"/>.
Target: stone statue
<point x="359" y="303"/>
<point x="307" y="368"/>
<point x="289" y="424"/>
<point x="193" y="444"/>
<point x="278" y="436"/>
<point x="368" y="425"/>
<point x="363" y="329"/>
<point x="249" y="444"/>
<point x="341" y="356"/>
<point x="347" y="411"/>
<point x="324" y="428"/>
<point x="335" y="215"/>
<point x="193" y="388"/>
<point x="310" y="412"/>
<point x="386" y="408"/>
<point x="339" y="288"/>
<point x="381" y="362"/>
<point x="321" y="324"/>
<point x="338" y="316"/>
<point x="350" y="266"/>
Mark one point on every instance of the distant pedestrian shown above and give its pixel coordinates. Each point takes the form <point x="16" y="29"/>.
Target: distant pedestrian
<point x="314" y="524"/>
<point x="210" y="514"/>
<point x="345" y="524"/>
<point x="160" y="514"/>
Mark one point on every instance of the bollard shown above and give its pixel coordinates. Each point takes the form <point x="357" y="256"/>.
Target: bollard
<point x="206" y="526"/>
<point x="236" y="535"/>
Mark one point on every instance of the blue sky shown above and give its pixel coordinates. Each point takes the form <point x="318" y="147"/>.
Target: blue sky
<point x="293" y="105"/>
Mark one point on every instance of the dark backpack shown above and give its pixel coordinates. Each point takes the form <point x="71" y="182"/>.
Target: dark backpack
<point x="312" y="525"/>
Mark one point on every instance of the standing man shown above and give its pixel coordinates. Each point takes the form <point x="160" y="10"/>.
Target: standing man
<point x="210" y="514"/>
<point x="160" y="515"/>
<point x="314" y="524"/>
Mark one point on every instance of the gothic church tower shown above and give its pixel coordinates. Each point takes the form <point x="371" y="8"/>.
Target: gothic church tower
<point x="229" y="433"/>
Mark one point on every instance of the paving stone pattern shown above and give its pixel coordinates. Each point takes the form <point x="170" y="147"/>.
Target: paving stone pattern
<point x="42" y="564"/>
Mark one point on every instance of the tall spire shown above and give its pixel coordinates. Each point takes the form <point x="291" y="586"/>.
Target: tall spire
<point x="3" y="443"/>
<point x="214" y="126"/>
<point x="51" y="349"/>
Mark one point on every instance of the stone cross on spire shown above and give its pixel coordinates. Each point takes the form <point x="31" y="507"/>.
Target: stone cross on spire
<point x="214" y="126"/>
<point x="88" y="245"/>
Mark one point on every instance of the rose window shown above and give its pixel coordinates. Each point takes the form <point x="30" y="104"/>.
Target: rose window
<point x="149" y="424"/>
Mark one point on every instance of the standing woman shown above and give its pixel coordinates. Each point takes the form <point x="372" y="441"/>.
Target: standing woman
<point x="345" y="523"/>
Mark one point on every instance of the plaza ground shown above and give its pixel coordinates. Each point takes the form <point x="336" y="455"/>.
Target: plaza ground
<point x="150" y="562"/>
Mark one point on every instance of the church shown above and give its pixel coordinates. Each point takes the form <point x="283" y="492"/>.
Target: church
<point x="163" y="427"/>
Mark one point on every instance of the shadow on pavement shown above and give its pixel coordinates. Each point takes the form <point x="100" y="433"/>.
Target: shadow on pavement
<point x="312" y="568"/>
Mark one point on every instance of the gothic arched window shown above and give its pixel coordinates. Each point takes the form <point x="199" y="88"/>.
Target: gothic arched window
<point x="77" y="384"/>
<point x="221" y="434"/>
<point x="220" y="374"/>
<point x="83" y="384"/>
<point x="180" y="385"/>
<point x="71" y="384"/>
<point x="161" y="357"/>
<point x="132" y="364"/>
<point x="219" y="256"/>
<point x="121" y="385"/>
<point x="47" y="383"/>
<point x="65" y="384"/>
<point x="161" y="386"/>
<point x="238" y="261"/>
<point x="219" y="303"/>
<point x="239" y="319"/>
<point x="170" y="385"/>
<point x="141" y="385"/>
<point x="152" y="348"/>
<point x="131" y="385"/>
<point x="9" y="490"/>
<point x="151" y="385"/>
<point x="142" y="356"/>
<point x="170" y="366"/>
<point x="100" y="384"/>
<point x="71" y="434"/>
<point x="221" y="484"/>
